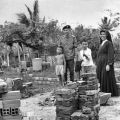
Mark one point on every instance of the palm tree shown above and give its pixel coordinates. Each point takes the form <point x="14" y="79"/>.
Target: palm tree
<point x="107" y="24"/>
<point x="33" y="18"/>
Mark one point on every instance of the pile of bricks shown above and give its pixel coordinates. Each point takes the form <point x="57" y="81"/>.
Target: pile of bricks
<point x="9" y="106"/>
<point x="83" y="102"/>
<point x="65" y="103"/>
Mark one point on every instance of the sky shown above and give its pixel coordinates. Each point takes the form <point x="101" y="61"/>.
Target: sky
<point x="73" y="12"/>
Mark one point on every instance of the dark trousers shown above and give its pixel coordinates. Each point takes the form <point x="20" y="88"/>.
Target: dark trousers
<point x="70" y="67"/>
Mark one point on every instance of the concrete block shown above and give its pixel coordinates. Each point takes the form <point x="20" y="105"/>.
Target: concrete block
<point x="36" y="78"/>
<point x="92" y="87"/>
<point x="92" y="82"/>
<point x="61" y="110"/>
<point x="92" y="92"/>
<point x="65" y="102"/>
<point x="11" y="103"/>
<point x="77" y="115"/>
<point x="63" y="118"/>
<point x="15" y="111"/>
<point x="6" y="112"/>
<point x="88" y="75"/>
<point x="72" y="85"/>
<point x="41" y="78"/>
<point x="104" y="97"/>
<point x="86" y="110"/>
<point x="19" y="117"/>
<point x="65" y="91"/>
<point x="82" y="88"/>
<point x="11" y="95"/>
<point x="49" y="79"/>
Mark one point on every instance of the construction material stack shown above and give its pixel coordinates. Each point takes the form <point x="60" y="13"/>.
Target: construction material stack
<point x="83" y="97"/>
<point x="65" y="103"/>
<point x="89" y="99"/>
<point x="9" y="103"/>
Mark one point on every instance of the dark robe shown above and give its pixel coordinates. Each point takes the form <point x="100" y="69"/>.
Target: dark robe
<point x="106" y="78"/>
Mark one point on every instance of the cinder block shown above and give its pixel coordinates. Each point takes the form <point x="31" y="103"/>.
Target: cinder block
<point x="14" y="111"/>
<point x="11" y="103"/>
<point x="6" y="112"/>
<point x="18" y="117"/>
<point x="11" y="95"/>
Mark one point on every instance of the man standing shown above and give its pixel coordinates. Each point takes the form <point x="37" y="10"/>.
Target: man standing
<point x="68" y="42"/>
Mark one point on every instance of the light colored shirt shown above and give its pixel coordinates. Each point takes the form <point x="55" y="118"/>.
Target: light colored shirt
<point x="88" y="53"/>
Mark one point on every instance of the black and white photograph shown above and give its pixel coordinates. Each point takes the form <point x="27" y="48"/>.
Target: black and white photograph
<point x="59" y="59"/>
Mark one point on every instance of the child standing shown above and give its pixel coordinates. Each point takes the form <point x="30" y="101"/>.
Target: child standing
<point x="60" y="64"/>
<point x="86" y="55"/>
<point x="79" y="60"/>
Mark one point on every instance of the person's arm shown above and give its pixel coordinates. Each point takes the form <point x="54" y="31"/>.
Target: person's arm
<point x="75" y="42"/>
<point x="110" y="54"/>
<point x="64" y="63"/>
<point x="88" y="54"/>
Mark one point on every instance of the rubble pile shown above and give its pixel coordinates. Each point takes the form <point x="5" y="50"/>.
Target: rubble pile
<point x="79" y="100"/>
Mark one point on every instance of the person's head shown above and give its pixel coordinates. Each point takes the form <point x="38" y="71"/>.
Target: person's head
<point x="84" y="44"/>
<point x="67" y="29"/>
<point x="104" y="34"/>
<point x="59" y="50"/>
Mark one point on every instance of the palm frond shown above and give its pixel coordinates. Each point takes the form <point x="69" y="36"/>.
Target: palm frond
<point x="36" y="10"/>
<point x="22" y="18"/>
<point x="30" y="12"/>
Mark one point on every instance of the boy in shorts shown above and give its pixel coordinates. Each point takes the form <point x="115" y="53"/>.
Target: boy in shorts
<point x="60" y="65"/>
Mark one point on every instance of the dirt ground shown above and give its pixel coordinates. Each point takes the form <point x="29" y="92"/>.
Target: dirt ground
<point x="32" y="107"/>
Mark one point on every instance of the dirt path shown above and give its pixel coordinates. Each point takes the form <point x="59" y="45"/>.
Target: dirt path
<point x="31" y="106"/>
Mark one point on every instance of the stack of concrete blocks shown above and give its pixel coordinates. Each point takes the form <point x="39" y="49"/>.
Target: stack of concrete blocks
<point x="9" y="105"/>
<point x="65" y="103"/>
<point x="89" y="99"/>
<point x="86" y="100"/>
